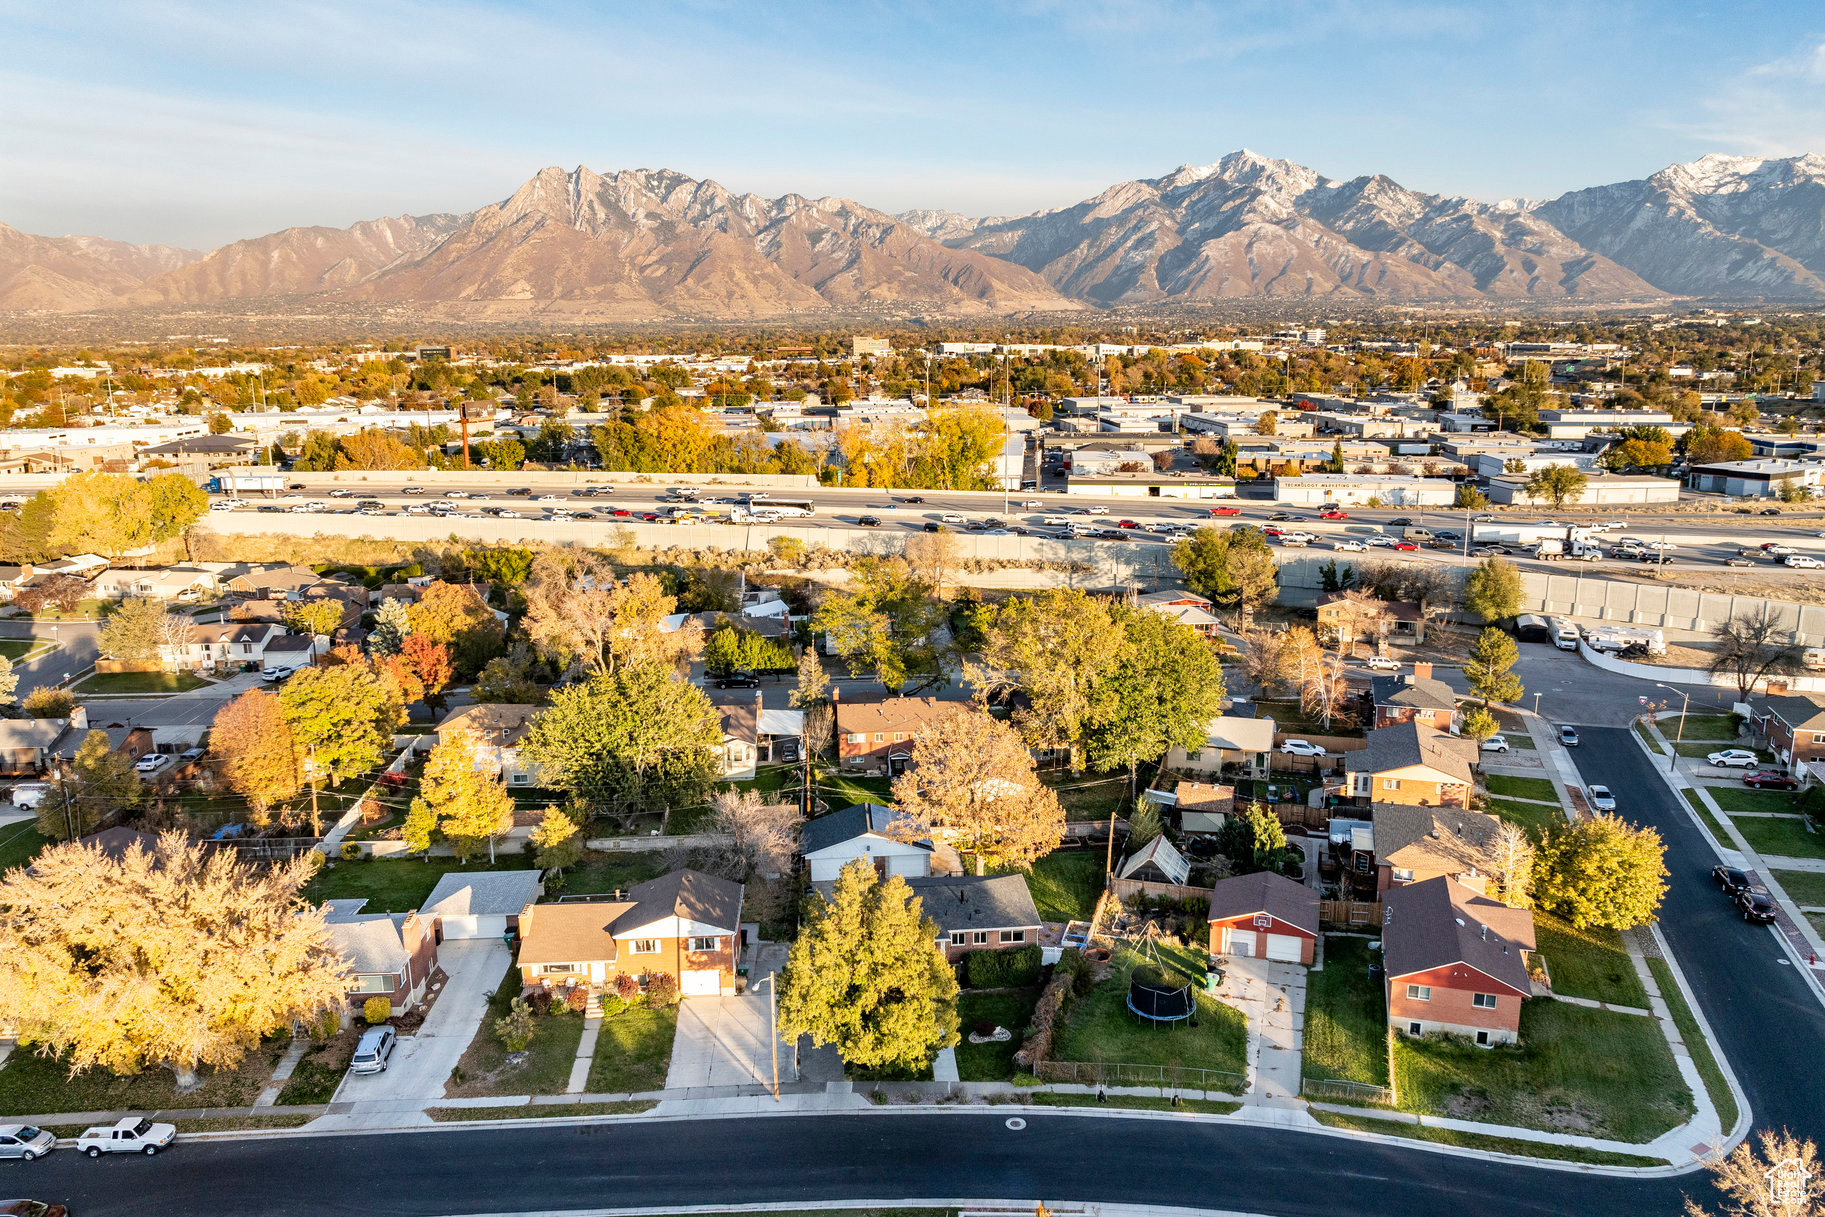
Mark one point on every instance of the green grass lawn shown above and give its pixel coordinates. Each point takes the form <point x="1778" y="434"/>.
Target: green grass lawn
<point x="1100" y="1027"/>
<point x="1704" y="748"/>
<point x="1589" y="963"/>
<point x="545" y="1070"/>
<point x="19" y="844"/>
<point x="1713" y="727"/>
<point x="139" y="682"/>
<point x="1066" y="883"/>
<point x="1470" y="1140"/>
<point x="320" y="1070"/>
<point x="30" y="1084"/>
<point x="1780" y="838"/>
<point x="1709" y="818"/>
<point x="1135" y="1102"/>
<point x="1744" y="798"/>
<point x="1595" y="1072"/>
<point x="1533" y="818"/>
<point x="1647" y="737"/>
<point x="840" y="790"/>
<point x="15" y="649"/>
<point x="1805" y="886"/>
<point x="394" y="885"/>
<point x="1702" y="1058"/>
<point x="1523" y="788"/>
<point x="992" y="1062"/>
<point x="602" y="873"/>
<point x="1346" y="1016"/>
<point x="633" y="1051"/>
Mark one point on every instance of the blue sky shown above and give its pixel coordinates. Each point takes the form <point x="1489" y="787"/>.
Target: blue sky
<point x="198" y="123"/>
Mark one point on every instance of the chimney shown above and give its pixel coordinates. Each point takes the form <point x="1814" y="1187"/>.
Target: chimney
<point x="79" y="718"/>
<point x="1422" y="671"/>
<point x="1776" y="688"/>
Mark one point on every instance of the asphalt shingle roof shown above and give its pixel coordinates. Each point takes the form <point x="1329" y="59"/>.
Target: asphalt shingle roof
<point x="976" y="902"/>
<point x="1443" y="837"/>
<point x="1419" y="692"/>
<point x="848" y="824"/>
<point x="1266" y="892"/>
<point x="1440" y="922"/>
<point x="1407" y="744"/>
<point x="483" y="893"/>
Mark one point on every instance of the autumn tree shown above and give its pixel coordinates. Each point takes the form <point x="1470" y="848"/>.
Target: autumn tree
<point x="1487" y="672"/>
<point x="1714" y="445"/>
<point x="466" y="796"/>
<point x="321" y="616"/>
<point x="253" y="743"/>
<point x="429" y="663"/>
<point x="755" y="839"/>
<point x="504" y="682"/>
<point x="1751" y="648"/>
<point x="134" y="630"/>
<point x="1493" y="590"/>
<point x="1512" y="868"/>
<point x="1557" y="484"/>
<point x="180" y="956"/>
<point x="932" y="556"/>
<point x="1480" y="724"/>
<point x="1233" y="567"/>
<point x="96" y="783"/>
<point x="813" y="685"/>
<point x="972" y="781"/>
<point x="577" y="612"/>
<point x="60" y="592"/>
<point x="557" y="839"/>
<point x="1601" y="871"/>
<point x="342" y="718"/>
<point x="1266" y="660"/>
<point x="1772" y="1174"/>
<point x="456" y="615"/>
<point x="884" y="623"/>
<point x="1054" y="646"/>
<point x="1163" y="689"/>
<point x="865" y="975"/>
<point x="48" y="702"/>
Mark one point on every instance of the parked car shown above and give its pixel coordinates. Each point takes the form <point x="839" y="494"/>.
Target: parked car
<point x="1770" y="779"/>
<point x="373" y="1050"/>
<point x="1381" y="663"/>
<point x="152" y="762"/>
<point x="1733" y="758"/>
<point x="27" y="795"/>
<point x="1757" y="907"/>
<point x="738" y="680"/>
<point x="1299" y="747"/>
<point x="1225" y="511"/>
<point x="1568" y="736"/>
<point x="25" y="1141"/>
<point x="1601" y="798"/>
<point x="1730" y="879"/>
<point x="133" y="1135"/>
<point x="276" y="671"/>
<point x="1496" y="743"/>
<point x="869" y="521"/>
<point x="1333" y="514"/>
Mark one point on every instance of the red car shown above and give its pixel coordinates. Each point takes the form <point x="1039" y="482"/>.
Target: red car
<point x="1225" y="511"/>
<point x="1272" y="530"/>
<point x="1128" y="524"/>
<point x="1770" y="779"/>
<point x="1406" y="547"/>
<point x="620" y="511"/>
<point x="1333" y="514"/>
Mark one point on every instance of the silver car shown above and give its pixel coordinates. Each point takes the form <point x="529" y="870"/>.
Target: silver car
<point x="372" y="1053"/>
<point x="1601" y="798"/>
<point x="24" y="1141"/>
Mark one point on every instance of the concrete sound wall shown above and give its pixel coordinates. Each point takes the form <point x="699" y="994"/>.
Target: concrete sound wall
<point x="464" y="479"/>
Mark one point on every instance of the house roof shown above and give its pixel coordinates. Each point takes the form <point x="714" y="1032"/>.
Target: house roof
<point x="1795" y="710"/>
<point x="1405" y="745"/>
<point x="1419" y="692"/>
<point x="1202" y="796"/>
<point x="1160" y="852"/>
<point x="1266" y="892"/>
<point x="1397" y="610"/>
<point x="482" y="893"/>
<point x="782" y="722"/>
<point x="687" y="894"/>
<point x="851" y="822"/>
<point x="1441" y="922"/>
<point x="976" y="902"/>
<point x="71" y="742"/>
<point x="372" y="942"/>
<point x="893" y="714"/>
<point x="19" y="734"/>
<point x="1443" y="838"/>
<point x="115" y="842"/>
<point x="233" y="633"/>
<point x="230" y="445"/>
<point x="1238" y="734"/>
<point x="574" y="932"/>
<point x="739" y="721"/>
<point x="491" y="722"/>
<point x="286" y="644"/>
<point x="1155" y="599"/>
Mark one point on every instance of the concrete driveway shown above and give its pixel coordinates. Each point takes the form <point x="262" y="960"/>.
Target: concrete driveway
<point x="723" y="1041"/>
<point x="422" y="1062"/>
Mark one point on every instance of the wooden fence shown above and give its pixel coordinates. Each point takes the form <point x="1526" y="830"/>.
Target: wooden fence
<point x="1350" y="912"/>
<point x="1124" y="888"/>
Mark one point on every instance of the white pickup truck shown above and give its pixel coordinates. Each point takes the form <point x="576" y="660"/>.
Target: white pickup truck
<point x="129" y="1136"/>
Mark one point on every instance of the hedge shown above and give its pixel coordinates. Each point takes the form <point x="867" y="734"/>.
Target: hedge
<point x="1011" y="969"/>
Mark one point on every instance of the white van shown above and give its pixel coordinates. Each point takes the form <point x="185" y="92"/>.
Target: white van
<point x="1055" y="521"/>
<point x="1565" y="636"/>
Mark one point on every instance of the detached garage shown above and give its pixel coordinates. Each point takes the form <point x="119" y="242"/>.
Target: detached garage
<point x="1264" y="916"/>
<point x="485" y="904"/>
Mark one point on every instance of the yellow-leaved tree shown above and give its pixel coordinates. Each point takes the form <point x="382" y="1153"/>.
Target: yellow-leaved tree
<point x="464" y="791"/>
<point x="972" y="778"/>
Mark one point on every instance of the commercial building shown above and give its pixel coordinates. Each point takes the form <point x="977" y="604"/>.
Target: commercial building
<point x="1356" y="489"/>
<point x="1757" y="478"/>
<point x="861" y="347"/>
<point x="1576" y="424"/>
<point x="1609" y="490"/>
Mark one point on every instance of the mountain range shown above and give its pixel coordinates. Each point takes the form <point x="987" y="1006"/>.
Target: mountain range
<point x="657" y="245"/>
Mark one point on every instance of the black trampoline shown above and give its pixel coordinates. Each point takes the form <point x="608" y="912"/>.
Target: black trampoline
<point x="1160" y="997"/>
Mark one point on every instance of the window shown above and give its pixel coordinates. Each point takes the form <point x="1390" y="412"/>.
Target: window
<point x="1402" y="874"/>
<point x="1412" y="1028"/>
<point x="558" y="969"/>
<point x="376" y="982"/>
<point x="521" y="779"/>
<point x="1013" y="935"/>
<point x="981" y="938"/>
<point x="1483" y="1001"/>
<point x="959" y="938"/>
<point x="857" y="737"/>
<point x="880" y="737"/>
<point x="899" y="736"/>
<point x="1419" y="992"/>
<point x="705" y="944"/>
<point x="1194" y="754"/>
<point x="1482" y="1037"/>
<point x="643" y="946"/>
<point x="1390" y="783"/>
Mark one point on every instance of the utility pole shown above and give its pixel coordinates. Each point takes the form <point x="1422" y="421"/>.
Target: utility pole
<point x="63" y="784"/>
<point x="316" y="820"/>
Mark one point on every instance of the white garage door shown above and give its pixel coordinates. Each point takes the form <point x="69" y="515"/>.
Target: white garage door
<point x="702" y="982"/>
<point x="1242" y="943"/>
<point x="1283" y="947"/>
<point x="470" y="925"/>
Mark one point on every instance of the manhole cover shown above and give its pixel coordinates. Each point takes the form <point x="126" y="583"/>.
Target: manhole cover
<point x="1015" y="1123"/>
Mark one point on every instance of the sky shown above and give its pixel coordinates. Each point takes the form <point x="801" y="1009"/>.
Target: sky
<point x="198" y="123"/>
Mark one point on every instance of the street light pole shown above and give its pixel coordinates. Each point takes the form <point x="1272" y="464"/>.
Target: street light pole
<point x="1680" y="735"/>
<point x="771" y="980"/>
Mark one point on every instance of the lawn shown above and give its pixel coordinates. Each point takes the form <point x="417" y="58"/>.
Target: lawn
<point x="1138" y="1102"/>
<point x="1346" y="1026"/>
<point x="19" y="844"/>
<point x="1091" y="797"/>
<point x="102" y="683"/>
<point x="1523" y="788"/>
<point x="1471" y="1140"/>
<point x="634" y="1051"/>
<point x="1807" y="887"/>
<point x="1101" y="1028"/>
<point x="320" y="1070"/>
<point x="546" y="1068"/>
<point x="394" y="885"/>
<point x="1533" y="818"/>
<point x="1589" y="963"/>
<point x="839" y="790"/>
<point x="1712" y="727"/>
<point x="1709" y="817"/>
<point x="1696" y="1044"/>
<point x="15" y="649"/>
<point x="1647" y="737"/>
<point x="1066" y="883"/>
<point x="598" y="874"/>
<point x="30" y="1083"/>
<point x="1010" y="1009"/>
<point x="1744" y="798"/>
<point x="1780" y="838"/>
<point x="1579" y="1070"/>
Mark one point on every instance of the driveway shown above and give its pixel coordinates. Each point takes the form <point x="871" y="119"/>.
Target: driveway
<point x="422" y="1062"/>
<point x="723" y="1041"/>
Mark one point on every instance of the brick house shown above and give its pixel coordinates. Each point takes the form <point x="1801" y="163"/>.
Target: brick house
<point x="879" y="735"/>
<point x="978" y="913"/>
<point x="390" y="954"/>
<point x="1340" y="613"/>
<point x="1415" y="698"/>
<point x="1264" y="916"/>
<point x="1411" y="763"/>
<point x="1792" y="724"/>
<point x="1456" y="961"/>
<point x="686" y="923"/>
<point x="1186" y="608"/>
<point x="498" y="730"/>
<point x="1414" y="844"/>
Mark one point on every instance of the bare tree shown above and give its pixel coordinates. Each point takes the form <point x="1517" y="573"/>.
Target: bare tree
<point x="1751" y="648"/>
<point x="932" y="556"/>
<point x="760" y="837"/>
<point x="1265" y="656"/>
<point x="175" y="630"/>
<point x="820" y="723"/>
<point x="1513" y="867"/>
<point x="1359" y="614"/>
<point x="1778" y="1176"/>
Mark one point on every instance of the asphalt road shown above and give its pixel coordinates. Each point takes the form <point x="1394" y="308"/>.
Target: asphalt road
<point x="813" y="1160"/>
<point x="80" y="645"/>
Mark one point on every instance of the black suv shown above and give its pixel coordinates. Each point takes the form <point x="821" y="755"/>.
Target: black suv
<point x="1733" y="881"/>
<point x="738" y="680"/>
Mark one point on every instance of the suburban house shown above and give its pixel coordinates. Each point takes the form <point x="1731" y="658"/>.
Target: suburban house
<point x="878" y="834"/>
<point x="498" y="730"/>
<point x="1186" y="608"/>
<point x="753" y="735"/>
<point x="128" y="743"/>
<point x="878" y="735"/>
<point x="292" y="583"/>
<point x="291" y="651"/>
<point x="28" y="744"/>
<point x="1228" y="740"/>
<point x="1416" y="698"/>
<point x="978" y="913"/>
<point x="12" y="578"/>
<point x="1411" y="763"/>
<point x="1203" y="808"/>
<point x="79" y="566"/>
<point x="1455" y="961"/>
<point x="686" y="924"/>
<point x="1353" y="618"/>
<point x="1414" y="844"/>
<point x="482" y="904"/>
<point x="390" y="954"/>
<point x="1792" y="724"/>
<point x="171" y="583"/>
<point x="222" y="647"/>
<point x="1156" y="862"/>
<point x="1264" y="916"/>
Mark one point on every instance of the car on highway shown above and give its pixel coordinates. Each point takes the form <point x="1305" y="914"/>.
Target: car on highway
<point x="456" y="494"/>
<point x="1733" y="758"/>
<point x="1739" y="560"/>
<point x="1756" y="906"/>
<point x="951" y="517"/>
<point x="1031" y="504"/>
<point x="373" y="1050"/>
<point x="133" y="1135"/>
<point x="869" y="521"/>
<point x="1111" y="534"/>
<point x="913" y="498"/>
<point x="521" y="491"/>
<point x="1601" y="798"/>
<point x="1349" y="546"/>
<point x="1496" y="743"/>
<point x="1293" y="540"/>
<point x="1446" y="534"/>
<point x="152" y="762"/>
<point x="1769" y="511"/>
<point x="1128" y="524"/>
<point x="1489" y="551"/>
<point x="420" y="490"/>
<point x="1568" y="736"/>
<point x="414" y="509"/>
<point x="1730" y="879"/>
<point x="1272" y="530"/>
<point x="1666" y="546"/>
<point x="1775" y="547"/>
<point x="342" y="492"/>
<point x="933" y="526"/>
<point x="738" y="680"/>
<point x="1485" y="518"/>
<point x="1770" y="779"/>
<point x="1406" y="547"/>
<point x="1236" y="511"/>
<point x="1331" y="513"/>
<point x="549" y="498"/>
<point x="1803" y="562"/>
<point x="25" y="1141"/>
<point x="1380" y="540"/>
<point x="1399" y="522"/>
<point x="508" y="513"/>
<point x="1299" y="747"/>
<point x="1096" y="510"/>
<point x="1280" y="517"/>
<point x="1382" y="663"/>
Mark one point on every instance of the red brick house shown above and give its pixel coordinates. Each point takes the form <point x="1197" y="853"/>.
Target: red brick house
<point x="978" y="913"/>
<point x="1414" y="844"/>
<point x="1415" y="698"/>
<point x="1264" y="916"/>
<point x="879" y="735"/>
<point x="687" y="924"/>
<point x="1411" y="763"/>
<point x="390" y="954"/>
<point x="1456" y="961"/>
<point x="1792" y="724"/>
